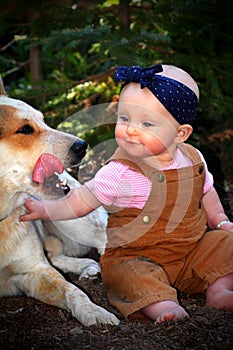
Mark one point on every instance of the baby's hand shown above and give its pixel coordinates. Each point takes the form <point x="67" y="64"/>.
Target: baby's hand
<point x="35" y="208"/>
<point x="228" y="226"/>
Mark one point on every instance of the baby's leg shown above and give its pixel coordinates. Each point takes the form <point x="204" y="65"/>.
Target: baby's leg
<point x="220" y="293"/>
<point x="166" y="310"/>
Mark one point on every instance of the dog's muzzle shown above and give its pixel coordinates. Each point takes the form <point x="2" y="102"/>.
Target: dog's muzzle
<point x="50" y="173"/>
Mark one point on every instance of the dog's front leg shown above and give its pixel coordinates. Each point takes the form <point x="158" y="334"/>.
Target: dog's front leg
<point x="87" y="312"/>
<point x="47" y="285"/>
<point x="84" y="267"/>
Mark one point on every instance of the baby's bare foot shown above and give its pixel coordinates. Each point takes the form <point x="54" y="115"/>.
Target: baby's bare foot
<point x="176" y="313"/>
<point x="222" y="299"/>
<point x="220" y="293"/>
<point x="166" y="310"/>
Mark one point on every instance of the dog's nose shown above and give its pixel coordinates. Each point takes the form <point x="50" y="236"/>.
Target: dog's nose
<point x="79" y="147"/>
<point x="76" y="153"/>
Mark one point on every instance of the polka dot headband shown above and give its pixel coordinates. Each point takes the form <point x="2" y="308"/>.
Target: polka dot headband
<point x="180" y="101"/>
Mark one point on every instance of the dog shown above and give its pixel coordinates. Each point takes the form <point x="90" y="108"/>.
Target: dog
<point x="66" y="241"/>
<point x="26" y="140"/>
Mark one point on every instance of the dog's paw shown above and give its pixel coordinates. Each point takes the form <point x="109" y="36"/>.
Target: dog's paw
<point x="98" y="316"/>
<point x="91" y="271"/>
<point x="87" y="312"/>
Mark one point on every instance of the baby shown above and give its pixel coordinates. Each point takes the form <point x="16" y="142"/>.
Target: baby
<point x="161" y="199"/>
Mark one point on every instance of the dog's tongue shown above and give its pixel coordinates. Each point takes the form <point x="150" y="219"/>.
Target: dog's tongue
<point x="46" y="165"/>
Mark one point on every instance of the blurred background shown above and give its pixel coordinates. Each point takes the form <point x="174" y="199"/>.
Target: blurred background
<point x="60" y="56"/>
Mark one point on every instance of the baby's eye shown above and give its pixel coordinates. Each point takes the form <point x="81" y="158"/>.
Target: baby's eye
<point x="147" y="124"/>
<point x="123" y="118"/>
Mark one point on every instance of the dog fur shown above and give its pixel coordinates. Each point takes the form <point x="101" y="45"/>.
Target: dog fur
<point x="24" y="268"/>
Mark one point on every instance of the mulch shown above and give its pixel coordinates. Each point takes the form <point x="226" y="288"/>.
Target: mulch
<point x="26" y="323"/>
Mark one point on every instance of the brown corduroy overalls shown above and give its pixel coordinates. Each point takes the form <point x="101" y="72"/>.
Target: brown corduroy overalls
<point x="165" y="246"/>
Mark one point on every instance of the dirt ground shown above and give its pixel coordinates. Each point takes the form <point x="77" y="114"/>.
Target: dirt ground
<point x="26" y="324"/>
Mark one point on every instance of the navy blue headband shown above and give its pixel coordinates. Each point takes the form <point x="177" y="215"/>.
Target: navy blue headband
<point x="180" y="101"/>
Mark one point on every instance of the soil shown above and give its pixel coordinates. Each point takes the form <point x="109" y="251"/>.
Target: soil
<point x="26" y="323"/>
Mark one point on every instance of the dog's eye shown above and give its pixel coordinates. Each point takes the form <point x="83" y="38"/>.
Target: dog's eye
<point x="26" y="130"/>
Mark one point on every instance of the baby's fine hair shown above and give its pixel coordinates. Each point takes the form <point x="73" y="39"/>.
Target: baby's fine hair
<point x="179" y="74"/>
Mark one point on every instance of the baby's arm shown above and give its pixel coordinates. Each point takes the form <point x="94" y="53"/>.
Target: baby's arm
<point x="216" y="215"/>
<point x="70" y="207"/>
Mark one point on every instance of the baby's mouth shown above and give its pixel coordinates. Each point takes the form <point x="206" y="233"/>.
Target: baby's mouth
<point x="131" y="142"/>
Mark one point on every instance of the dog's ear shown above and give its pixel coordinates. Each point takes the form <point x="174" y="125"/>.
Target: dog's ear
<point x="2" y="90"/>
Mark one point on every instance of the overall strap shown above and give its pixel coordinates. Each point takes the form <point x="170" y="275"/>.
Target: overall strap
<point x="190" y="152"/>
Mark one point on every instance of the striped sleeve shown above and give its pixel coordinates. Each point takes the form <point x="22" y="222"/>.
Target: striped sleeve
<point x="116" y="184"/>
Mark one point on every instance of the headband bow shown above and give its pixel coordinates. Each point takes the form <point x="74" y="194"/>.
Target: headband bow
<point x="180" y="101"/>
<point x="136" y="74"/>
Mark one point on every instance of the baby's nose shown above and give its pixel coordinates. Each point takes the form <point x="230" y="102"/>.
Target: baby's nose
<point x="132" y="129"/>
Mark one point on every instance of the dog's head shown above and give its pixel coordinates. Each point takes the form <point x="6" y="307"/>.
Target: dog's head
<point x="24" y="138"/>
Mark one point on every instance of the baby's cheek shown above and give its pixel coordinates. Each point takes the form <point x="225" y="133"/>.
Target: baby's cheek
<point x="156" y="146"/>
<point x="120" y="131"/>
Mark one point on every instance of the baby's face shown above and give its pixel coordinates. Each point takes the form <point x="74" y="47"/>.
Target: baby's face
<point x="144" y="127"/>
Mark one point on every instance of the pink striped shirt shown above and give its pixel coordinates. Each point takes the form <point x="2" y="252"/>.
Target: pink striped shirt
<point x="117" y="184"/>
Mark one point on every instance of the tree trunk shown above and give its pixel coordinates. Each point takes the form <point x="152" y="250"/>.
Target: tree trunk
<point x="35" y="67"/>
<point x="124" y="13"/>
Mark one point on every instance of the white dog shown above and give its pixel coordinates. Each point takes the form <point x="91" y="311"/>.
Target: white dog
<point x="66" y="240"/>
<point x="24" y="139"/>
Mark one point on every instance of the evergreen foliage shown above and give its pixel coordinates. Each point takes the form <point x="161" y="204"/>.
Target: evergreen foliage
<point x="81" y="42"/>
